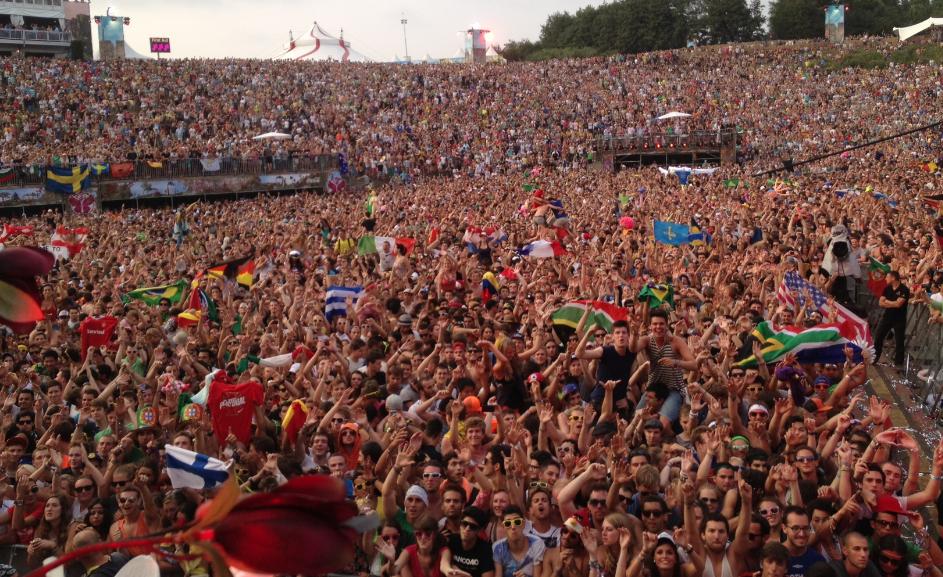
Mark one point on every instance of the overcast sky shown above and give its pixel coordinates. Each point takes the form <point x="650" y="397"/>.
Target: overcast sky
<point x="258" y="29"/>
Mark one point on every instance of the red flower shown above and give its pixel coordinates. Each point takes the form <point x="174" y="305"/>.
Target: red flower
<point x="19" y="298"/>
<point x="299" y="527"/>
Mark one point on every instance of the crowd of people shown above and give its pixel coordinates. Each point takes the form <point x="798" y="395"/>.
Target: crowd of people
<point x="472" y="120"/>
<point x="489" y="440"/>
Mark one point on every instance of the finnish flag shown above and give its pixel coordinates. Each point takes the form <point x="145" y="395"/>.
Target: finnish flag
<point x="188" y="469"/>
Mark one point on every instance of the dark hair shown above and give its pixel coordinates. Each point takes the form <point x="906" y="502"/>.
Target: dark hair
<point x="512" y="510"/>
<point x="715" y="517"/>
<point x="794" y="510"/>
<point x="892" y="543"/>
<point x="660" y="389"/>
<point x="660" y="313"/>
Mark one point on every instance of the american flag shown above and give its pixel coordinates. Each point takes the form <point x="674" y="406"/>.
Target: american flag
<point x="792" y="291"/>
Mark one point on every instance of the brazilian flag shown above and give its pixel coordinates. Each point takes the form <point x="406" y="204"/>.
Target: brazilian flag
<point x="151" y="296"/>
<point x="658" y="294"/>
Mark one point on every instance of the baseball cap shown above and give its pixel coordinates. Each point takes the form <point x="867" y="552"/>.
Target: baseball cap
<point x="570" y="388"/>
<point x="472" y="405"/>
<point x="20" y="440"/>
<point x="394" y="403"/>
<point x="889" y="504"/>
<point x="817" y="405"/>
<point x="758" y="407"/>
<point x="652" y="424"/>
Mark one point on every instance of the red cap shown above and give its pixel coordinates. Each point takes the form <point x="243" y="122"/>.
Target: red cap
<point x="472" y="405"/>
<point x="889" y="504"/>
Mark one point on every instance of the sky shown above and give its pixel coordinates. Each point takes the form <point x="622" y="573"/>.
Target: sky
<point x="253" y="29"/>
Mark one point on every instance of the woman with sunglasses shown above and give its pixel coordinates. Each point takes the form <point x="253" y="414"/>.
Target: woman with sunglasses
<point x="383" y="548"/>
<point x="518" y="555"/>
<point x="889" y="554"/>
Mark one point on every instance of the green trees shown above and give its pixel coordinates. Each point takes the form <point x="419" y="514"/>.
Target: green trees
<point x="792" y="19"/>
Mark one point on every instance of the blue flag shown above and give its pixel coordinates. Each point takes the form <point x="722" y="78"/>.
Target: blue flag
<point x="672" y="232"/>
<point x="67" y="179"/>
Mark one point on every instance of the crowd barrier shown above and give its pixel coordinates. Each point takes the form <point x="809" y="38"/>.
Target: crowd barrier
<point x="25" y="175"/>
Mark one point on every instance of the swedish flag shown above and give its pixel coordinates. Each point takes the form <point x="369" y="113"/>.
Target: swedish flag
<point x="101" y="169"/>
<point x="67" y="180"/>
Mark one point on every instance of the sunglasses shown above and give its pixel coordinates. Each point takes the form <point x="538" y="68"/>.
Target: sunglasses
<point x="360" y="486"/>
<point x="516" y="522"/>
<point x="424" y="534"/>
<point x="119" y="483"/>
<point x="652" y="513"/>
<point x="887" y="524"/>
<point x="572" y="418"/>
<point x="337" y="420"/>
<point x="84" y="488"/>
<point x="767" y="512"/>
<point x="884" y="558"/>
<point x="390" y="538"/>
<point x="758" y="414"/>
<point x="539" y="485"/>
<point x="24" y="422"/>
<point x="470" y="526"/>
<point x="128" y="500"/>
<point x="624" y="498"/>
<point x="735" y="375"/>
<point x="597" y="502"/>
<point x="710" y="499"/>
<point x="808" y="459"/>
<point x="431" y="475"/>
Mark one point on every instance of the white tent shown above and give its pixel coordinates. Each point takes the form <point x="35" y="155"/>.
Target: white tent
<point x="272" y="136"/>
<point x="908" y="31"/>
<point x="318" y="45"/>
<point x="673" y="115"/>
<point x="492" y="56"/>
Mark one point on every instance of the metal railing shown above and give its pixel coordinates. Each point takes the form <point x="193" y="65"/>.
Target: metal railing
<point x="35" y="35"/>
<point x="187" y="167"/>
<point x="648" y="141"/>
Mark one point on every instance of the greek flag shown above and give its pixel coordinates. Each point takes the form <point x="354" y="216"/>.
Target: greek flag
<point x="188" y="469"/>
<point x="335" y="303"/>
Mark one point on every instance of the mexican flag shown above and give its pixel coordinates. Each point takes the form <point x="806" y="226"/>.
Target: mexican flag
<point x="373" y="244"/>
<point x="876" y="272"/>
<point x="824" y="343"/>
<point x="151" y="295"/>
<point x="658" y="294"/>
<point x="603" y="315"/>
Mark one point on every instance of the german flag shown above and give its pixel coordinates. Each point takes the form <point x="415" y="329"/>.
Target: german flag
<point x="240" y="269"/>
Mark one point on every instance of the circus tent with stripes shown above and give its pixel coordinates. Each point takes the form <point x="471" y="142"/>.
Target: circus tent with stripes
<point x="318" y="45"/>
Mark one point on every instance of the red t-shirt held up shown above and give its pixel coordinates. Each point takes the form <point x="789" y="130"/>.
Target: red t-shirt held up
<point x="232" y="407"/>
<point x="96" y="332"/>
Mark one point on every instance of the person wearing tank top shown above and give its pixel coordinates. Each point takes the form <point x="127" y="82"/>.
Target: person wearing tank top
<point x="710" y="541"/>
<point x="669" y="356"/>
<point x="615" y="362"/>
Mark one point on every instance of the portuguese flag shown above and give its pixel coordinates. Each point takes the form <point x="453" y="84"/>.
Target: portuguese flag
<point x="823" y="343"/>
<point x="876" y="272"/>
<point x="603" y="315"/>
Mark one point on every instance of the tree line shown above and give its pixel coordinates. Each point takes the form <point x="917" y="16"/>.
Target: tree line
<point x="631" y="26"/>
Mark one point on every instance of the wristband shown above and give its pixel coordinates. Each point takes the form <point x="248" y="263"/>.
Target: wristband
<point x="937" y="477"/>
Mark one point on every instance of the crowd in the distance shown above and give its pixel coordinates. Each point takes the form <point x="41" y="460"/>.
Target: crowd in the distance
<point x="490" y="441"/>
<point x="790" y="99"/>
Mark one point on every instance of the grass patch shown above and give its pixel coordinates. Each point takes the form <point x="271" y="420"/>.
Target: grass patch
<point x="860" y="59"/>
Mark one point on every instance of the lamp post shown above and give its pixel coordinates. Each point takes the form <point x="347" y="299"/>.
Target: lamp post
<point x="405" y="47"/>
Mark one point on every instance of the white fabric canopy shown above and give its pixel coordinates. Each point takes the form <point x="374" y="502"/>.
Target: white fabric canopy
<point x="272" y="136"/>
<point x="316" y="44"/>
<point x="908" y="31"/>
<point x="673" y="115"/>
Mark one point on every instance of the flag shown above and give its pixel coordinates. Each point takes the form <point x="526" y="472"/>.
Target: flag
<point x="199" y="300"/>
<point x="797" y="286"/>
<point x="508" y="274"/>
<point x="68" y="179"/>
<point x="732" y="182"/>
<point x="155" y="164"/>
<point x="70" y="238"/>
<point x="370" y="206"/>
<point x="929" y="166"/>
<point x="232" y="269"/>
<point x="11" y="231"/>
<point x="603" y="314"/>
<point x="7" y="175"/>
<point x="189" y="318"/>
<point x="151" y="295"/>
<point x="335" y="301"/>
<point x="294" y="419"/>
<point x="191" y="470"/>
<point x="490" y="285"/>
<point x="876" y="272"/>
<point x="683" y="175"/>
<point x="824" y="343"/>
<point x="698" y="237"/>
<point x="658" y="294"/>
<point x="372" y="244"/>
<point x="542" y="249"/>
<point x="122" y="169"/>
<point x="210" y="164"/>
<point x="60" y="252"/>
<point x="82" y="203"/>
<point x="671" y="232"/>
<point x="100" y="169"/>
<point x="245" y="275"/>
